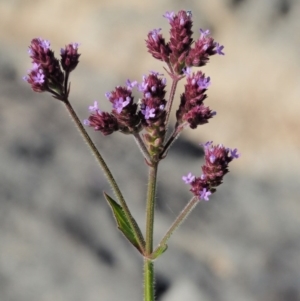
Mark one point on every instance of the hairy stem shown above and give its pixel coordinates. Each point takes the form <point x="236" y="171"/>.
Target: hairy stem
<point x="171" y="140"/>
<point x="171" y="98"/>
<point x="108" y="174"/>
<point x="150" y="208"/>
<point x="149" y="282"/>
<point x="148" y="264"/>
<point x="179" y="220"/>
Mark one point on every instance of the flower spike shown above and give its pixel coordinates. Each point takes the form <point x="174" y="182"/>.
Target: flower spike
<point x="217" y="159"/>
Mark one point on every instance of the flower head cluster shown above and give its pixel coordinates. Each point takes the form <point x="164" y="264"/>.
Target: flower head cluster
<point x="180" y="53"/>
<point x="101" y="121"/>
<point x="129" y="117"/>
<point x="124" y="116"/>
<point x="204" y="47"/>
<point x="47" y="72"/>
<point x="153" y="103"/>
<point x="191" y="109"/>
<point x="157" y="46"/>
<point x="152" y="111"/>
<point x="69" y="57"/>
<point x="217" y="159"/>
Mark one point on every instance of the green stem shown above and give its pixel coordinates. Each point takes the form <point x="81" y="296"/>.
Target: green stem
<point x="137" y="232"/>
<point x="171" y="98"/>
<point x="179" y="220"/>
<point x="148" y="264"/>
<point x="148" y="280"/>
<point x="150" y="208"/>
<point x="171" y="140"/>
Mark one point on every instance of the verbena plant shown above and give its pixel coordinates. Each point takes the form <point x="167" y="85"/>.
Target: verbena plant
<point x="147" y="120"/>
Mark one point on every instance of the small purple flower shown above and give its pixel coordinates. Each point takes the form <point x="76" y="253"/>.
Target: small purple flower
<point x="203" y="82"/>
<point x="148" y="113"/>
<point x="153" y="88"/>
<point x="154" y="34"/>
<point x="108" y="95"/>
<point x="204" y="194"/>
<point x="219" y="49"/>
<point x="119" y="104"/>
<point x="75" y="45"/>
<point x="30" y="52"/>
<point x="144" y="85"/>
<point x="94" y="108"/>
<point x="36" y="78"/>
<point x="234" y="153"/>
<point x="169" y="15"/>
<point x="212" y="159"/>
<point x="130" y="84"/>
<point x="204" y="33"/>
<point x="39" y="78"/>
<point x="206" y="145"/>
<point x="35" y="67"/>
<point x="44" y="43"/>
<point x="187" y="71"/>
<point x="155" y="73"/>
<point x="86" y="122"/>
<point x="188" y="179"/>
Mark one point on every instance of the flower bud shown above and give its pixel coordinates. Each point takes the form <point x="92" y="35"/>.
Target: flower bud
<point x="69" y="57"/>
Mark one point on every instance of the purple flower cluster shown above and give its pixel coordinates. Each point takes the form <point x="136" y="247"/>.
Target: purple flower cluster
<point x="153" y="113"/>
<point x="69" y="57"/>
<point x="124" y="116"/>
<point x="129" y="117"/>
<point x="47" y="72"/>
<point x="149" y="114"/>
<point x="101" y="121"/>
<point x="180" y="52"/>
<point x="191" y="109"/>
<point x="153" y="102"/>
<point x="217" y="159"/>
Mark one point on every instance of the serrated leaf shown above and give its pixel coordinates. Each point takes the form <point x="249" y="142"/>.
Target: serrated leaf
<point x="122" y="221"/>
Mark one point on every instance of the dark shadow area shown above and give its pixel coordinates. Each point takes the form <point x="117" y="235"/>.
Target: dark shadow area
<point x="284" y="7"/>
<point x="162" y="284"/>
<point x="236" y="3"/>
<point x="184" y="147"/>
<point x="79" y="232"/>
<point x="40" y="152"/>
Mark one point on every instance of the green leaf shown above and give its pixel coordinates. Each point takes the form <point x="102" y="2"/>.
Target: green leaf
<point x="159" y="251"/>
<point x="122" y="221"/>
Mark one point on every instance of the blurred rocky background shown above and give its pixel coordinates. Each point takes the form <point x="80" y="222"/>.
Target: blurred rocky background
<point x="57" y="236"/>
